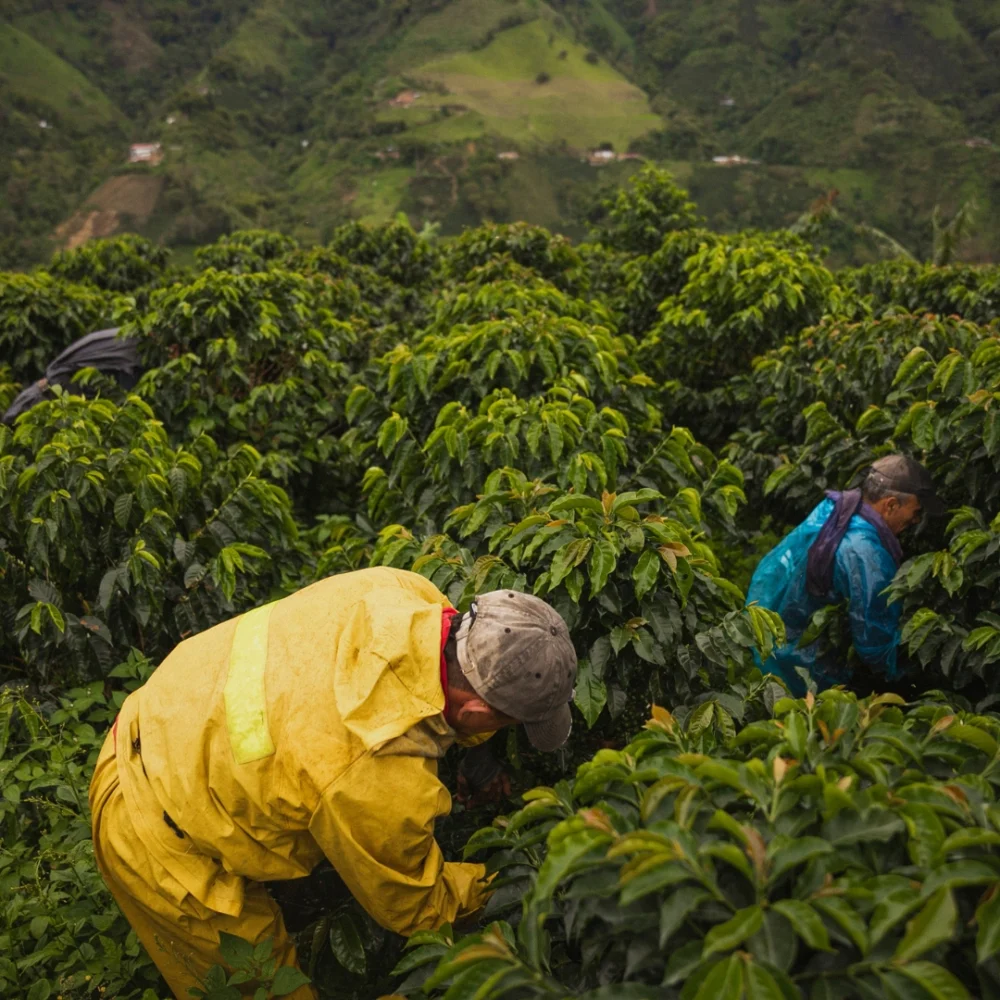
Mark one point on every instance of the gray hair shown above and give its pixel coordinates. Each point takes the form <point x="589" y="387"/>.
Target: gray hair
<point x="876" y="487"/>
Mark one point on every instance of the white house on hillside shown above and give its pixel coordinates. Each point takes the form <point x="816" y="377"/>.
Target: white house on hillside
<point x="145" y="152"/>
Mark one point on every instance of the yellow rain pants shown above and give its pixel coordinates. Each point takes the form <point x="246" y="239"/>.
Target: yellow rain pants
<point x="308" y="728"/>
<point x="180" y="934"/>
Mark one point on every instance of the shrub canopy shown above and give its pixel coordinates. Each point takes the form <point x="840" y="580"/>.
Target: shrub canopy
<point x="622" y="427"/>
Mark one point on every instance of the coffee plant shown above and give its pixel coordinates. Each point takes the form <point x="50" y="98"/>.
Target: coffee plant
<point x="61" y="933"/>
<point x="623" y="427"/>
<point x="739" y="297"/>
<point x="40" y="315"/>
<point x="904" y="286"/>
<point x="125" y="264"/>
<point x="842" y="848"/>
<point x="631" y="573"/>
<point x="253" y="359"/>
<point x="636" y="219"/>
<point x="246" y="252"/>
<point x="503" y="249"/>
<point x="111" y="538"/>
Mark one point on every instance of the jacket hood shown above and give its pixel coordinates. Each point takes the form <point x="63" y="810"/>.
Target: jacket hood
<point x="387" y="675"/>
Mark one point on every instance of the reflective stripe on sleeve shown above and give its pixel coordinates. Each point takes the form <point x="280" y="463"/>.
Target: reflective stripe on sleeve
<point x="246" y="698"/>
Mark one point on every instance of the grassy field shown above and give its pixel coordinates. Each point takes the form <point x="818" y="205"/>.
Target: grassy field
<point x="316" y="173"/>
<point x="268" y="39"/>
<point x="454" y="128"/>
<point x="459" y="26"/>
<point x="380" y="194"/>
<point x="420" y="114"/>
<point x="941" y="22"/>
<point x="521" y="53"/>
<point x="599" y="16"/>
<point x="531" y="192"/>
<point x="37" y="74"/>
<point x="581" y="103"/>
<point x="61" y="31"/>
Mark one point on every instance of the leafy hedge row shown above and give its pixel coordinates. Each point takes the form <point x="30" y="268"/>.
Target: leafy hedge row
<point x="621" y="427"/>
<point x="843" y="848"/>
<point x="114" y="539"/>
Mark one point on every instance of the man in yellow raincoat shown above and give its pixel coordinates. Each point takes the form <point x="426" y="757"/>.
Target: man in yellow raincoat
<point x="312" y="727"/>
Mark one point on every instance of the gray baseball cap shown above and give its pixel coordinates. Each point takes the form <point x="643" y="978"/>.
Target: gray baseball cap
<point x="516" y="652"/>
<point x="900" y="472"/>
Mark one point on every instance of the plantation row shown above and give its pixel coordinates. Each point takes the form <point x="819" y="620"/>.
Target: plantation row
<point x="623" y="428"/>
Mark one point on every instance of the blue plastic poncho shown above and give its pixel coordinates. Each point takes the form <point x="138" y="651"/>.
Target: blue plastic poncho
<point x="862" y="569"/>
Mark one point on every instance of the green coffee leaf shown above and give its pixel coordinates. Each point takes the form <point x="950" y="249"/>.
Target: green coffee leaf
<point x="934" y="924"/>
<point x="603" y="560"/>
<point x="796" y="852"/>
<point x="734" y="931"/>
<point x="288" y="979"/>
<point x="844" y="916"/>
<point x="957" y="874"/>
<point x="591" y="693"/>
<point x="975" y="737"/>
<point x="677" y="906"/>
<point x="761" y="984"/>
<point x="236" y="952"/>
<point x="937" y="981"/>
<point x="568" y="557"/>
<point x="988" y="923"/>
<point x="645" y="573"/>
<point x="891" y="909"/>
<point x="724" y="982"/>
<point x="345" y="943"/>
<point x="41" y="989"/>
<point x="806" y="923"/>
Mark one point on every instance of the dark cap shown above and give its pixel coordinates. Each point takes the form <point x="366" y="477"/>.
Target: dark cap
<point x="907" y="475"/>
<point x="516" y="652"/>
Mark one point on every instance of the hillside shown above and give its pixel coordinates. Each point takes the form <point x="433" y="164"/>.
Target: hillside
<point x="299" y="115"/>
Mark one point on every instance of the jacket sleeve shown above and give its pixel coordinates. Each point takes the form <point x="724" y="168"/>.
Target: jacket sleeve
<point x="862" y="572"/>
<point x="375" y="823"/>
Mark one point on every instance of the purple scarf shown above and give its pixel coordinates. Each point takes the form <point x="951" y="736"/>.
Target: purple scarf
<point x="819" y="568"/>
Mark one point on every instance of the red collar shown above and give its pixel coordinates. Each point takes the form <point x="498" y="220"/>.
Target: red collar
<point x="447" y="614"/>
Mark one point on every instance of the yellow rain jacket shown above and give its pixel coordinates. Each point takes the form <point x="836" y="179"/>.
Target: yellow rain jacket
<point x="310" y="727"/>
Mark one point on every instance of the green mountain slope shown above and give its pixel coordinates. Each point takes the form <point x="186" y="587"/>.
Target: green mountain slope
<point x="579" y="103"/>
<point x="288" y="114"/>
<point x="31" y="69"/>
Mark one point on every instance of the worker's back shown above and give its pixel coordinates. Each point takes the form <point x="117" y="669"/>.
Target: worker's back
<point x="225" y="752"/>
<point x="862" y="566"/>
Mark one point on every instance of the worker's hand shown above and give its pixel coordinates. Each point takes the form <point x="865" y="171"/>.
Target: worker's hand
<point x="495" y="790"/>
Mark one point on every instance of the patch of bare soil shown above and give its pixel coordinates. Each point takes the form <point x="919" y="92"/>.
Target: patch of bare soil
<point x="128" y="199"/>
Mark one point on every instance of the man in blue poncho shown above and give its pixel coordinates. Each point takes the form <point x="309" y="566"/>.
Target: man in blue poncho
<point x="847" y="549"/>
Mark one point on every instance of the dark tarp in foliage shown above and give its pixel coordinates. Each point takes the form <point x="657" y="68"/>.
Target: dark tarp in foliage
<point x="102" y="350"/>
